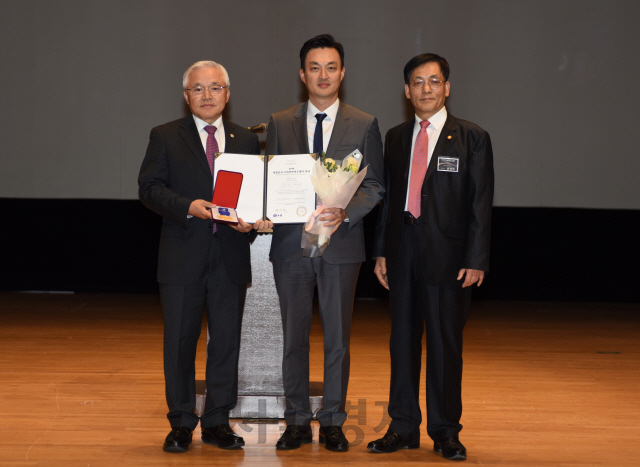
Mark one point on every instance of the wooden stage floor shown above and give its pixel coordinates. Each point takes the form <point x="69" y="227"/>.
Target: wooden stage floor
<point x="545" y="384"/>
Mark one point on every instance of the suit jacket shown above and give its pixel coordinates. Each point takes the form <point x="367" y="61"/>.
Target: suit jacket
<point x="175" y="172"/>
<point x="455" y="220"/>
<point x="352" y="130"/>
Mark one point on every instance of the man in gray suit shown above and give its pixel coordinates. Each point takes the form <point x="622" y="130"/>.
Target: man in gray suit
<point x="338" y="129"/>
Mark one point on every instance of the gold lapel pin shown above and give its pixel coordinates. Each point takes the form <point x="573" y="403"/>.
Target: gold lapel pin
<point x="448" y="137"/>
<point x="231" y="134"/>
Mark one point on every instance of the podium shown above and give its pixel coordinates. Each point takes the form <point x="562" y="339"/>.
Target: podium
<point x="260" y="391"/>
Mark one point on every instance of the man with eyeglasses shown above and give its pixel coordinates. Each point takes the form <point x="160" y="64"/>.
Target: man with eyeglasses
<point x="432" y="245"/>
<point x="322" y="124"/>
<point x="200" y="264"/>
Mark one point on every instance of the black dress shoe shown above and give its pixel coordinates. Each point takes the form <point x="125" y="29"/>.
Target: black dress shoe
<point x="391" y="442"/>
<point x="178" y="440"/>
<point x="223" y="436"/>
<point x="333" y="438"/>
<point x="451" y="448"/>
<point x="294" y="436"/>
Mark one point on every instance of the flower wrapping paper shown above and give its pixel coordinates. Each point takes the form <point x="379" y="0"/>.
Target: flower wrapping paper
<point x="335" y="186"/>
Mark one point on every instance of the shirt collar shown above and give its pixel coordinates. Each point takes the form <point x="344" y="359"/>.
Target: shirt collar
<point x="200" y="124"/>
<point x="331" y="111"/>
<point x="437" y="119"/>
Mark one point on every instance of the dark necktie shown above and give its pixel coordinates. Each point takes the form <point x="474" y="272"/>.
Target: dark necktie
<point x="418" y="169"/>
<point x="212" y="148"/>
<point x="212" y="145"/>
<point x="318" y="146"/>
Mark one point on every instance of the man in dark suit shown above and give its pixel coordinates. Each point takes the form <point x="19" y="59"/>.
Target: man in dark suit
<point x="432" y="244"/>
<point x="323" y="123"/>
<point x="200" y="264"/>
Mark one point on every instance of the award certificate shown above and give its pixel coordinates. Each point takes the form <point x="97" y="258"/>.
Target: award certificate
<point x="276" y="187"/>
<point x="290" y="194"/>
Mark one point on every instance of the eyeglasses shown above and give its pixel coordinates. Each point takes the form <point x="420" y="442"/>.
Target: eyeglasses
<point x="199" y="90"/>
<point x="432" y="83"/>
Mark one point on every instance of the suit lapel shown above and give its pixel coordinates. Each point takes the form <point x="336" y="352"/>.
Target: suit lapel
<point x="339" y="129"/>
<point x="300" y="129"/>
<point x="230" y="143"/>
<point x="404" y="162"/>
<point x="189" y="132"/>
<point x="447" y="136"/>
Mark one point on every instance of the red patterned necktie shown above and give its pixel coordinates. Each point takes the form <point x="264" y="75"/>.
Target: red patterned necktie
<point x="212" y="145"/>
<point x="212" y="148"/>
<point x="418" y="169"/>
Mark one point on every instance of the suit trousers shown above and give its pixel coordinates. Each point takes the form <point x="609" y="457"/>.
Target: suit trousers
<point x="183" y="306"/>
<point x="442" y="310"/>
<point x="295" y="282"/>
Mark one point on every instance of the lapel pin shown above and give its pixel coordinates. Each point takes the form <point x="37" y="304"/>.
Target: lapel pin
<point x="231" y="134"/>
<point x="448" y="137"/>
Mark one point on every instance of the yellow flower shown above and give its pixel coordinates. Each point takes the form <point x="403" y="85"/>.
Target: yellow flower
<point x="330" y="164"/>
<point x="351" y="165"/>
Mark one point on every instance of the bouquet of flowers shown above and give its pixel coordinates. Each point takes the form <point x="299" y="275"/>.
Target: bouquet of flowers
<point x="335" y="184"/>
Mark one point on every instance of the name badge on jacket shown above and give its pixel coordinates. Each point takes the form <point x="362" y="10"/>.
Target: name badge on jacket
<point x="448" y="164"/>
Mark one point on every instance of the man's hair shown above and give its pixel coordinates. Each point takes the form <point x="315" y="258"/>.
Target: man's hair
<point x="323" y="41"/>
<point x="420" y="60"/>
<point x="205" y="64"/>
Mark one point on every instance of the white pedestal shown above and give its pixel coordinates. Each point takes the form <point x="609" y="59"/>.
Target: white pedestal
<point x="260" y="392"/>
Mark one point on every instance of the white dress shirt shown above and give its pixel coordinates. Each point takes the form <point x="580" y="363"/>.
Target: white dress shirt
<point x="436" y="123"/>
<point x="327" y="123"/>
<point x="327" y="128"/>
<point x="219" y="134"/>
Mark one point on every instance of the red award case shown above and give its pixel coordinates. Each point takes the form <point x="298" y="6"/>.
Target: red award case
<point x="225" y="197"/>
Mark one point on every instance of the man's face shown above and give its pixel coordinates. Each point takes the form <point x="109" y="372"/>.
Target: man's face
<point x="426" y="100"/>
<point x="207" y="106"/>
<point x="323" y="72"/>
